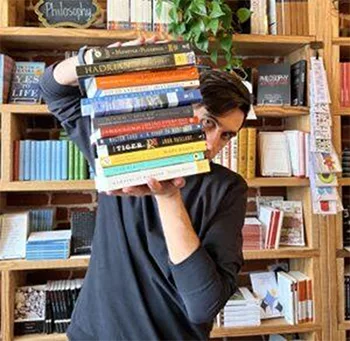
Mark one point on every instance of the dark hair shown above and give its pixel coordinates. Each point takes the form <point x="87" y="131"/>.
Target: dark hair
<point x="223" y="91"/>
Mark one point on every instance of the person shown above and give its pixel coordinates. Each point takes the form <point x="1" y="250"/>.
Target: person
<point x="166" y="255"/>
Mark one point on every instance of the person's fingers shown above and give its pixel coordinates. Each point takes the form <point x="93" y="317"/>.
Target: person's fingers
<point x="152" y="40"/>
<point x="117" y="44"/>
<point x="154" y="185"/>
<point x="138" y="41"/>
<point x="179" y="182"/>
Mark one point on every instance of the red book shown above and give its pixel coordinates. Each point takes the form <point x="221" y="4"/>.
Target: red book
<point x="125" y="129"/>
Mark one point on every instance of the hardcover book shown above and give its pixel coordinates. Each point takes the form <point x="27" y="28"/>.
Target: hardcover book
<point x="274" y="84"/>
<point x="83" y="226"/>
<point x="298" y="77"/>
<point x="6" y="70"/>
<point x="25" y="82"/>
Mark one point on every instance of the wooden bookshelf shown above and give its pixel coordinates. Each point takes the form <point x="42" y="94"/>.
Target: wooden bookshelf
<point x="344" y="182"/>
<point x="311" y="259"/>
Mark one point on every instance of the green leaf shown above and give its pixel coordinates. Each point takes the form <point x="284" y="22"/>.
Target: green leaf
<point x="202" y="43"/>
<point x="216" y="11"/>
<point x="198" y="7"/>
<point x="227" y="18"/>
<point x="214" y="57"/>
<point x="188" y="15"/>
<point x="173" y="15"/>
<point x="213" y="25"/>
<point x="198" y="28"/>
<point x="159" y="6"/>
<point x="226" y="43"/>
<point x="243" y="14"/>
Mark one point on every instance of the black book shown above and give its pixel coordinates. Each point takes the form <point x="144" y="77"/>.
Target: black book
<point x="83" y="226"/>
<point x="274" y="84"/>
<point x="298" y="79"/>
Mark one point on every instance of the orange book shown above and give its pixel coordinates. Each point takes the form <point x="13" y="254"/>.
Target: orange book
<point x="145" y="78"/>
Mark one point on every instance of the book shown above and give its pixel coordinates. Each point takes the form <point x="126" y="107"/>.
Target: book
<point x="264" y="286"/>
<point x="83" y="226"/>
<point x="144" y="155"/>
<point x="167" y="61"/>
<point x="25" y="82"/>
<point x="29" y="309"/>
<point x="274" y="154"/>
<point x="252" y="234"/>
<point x="14" y="231"/>
<point x="274" y="84"/>
<point x="287" y="288"/>
<point x="93" y="85"/>
<point x="7" y="65"/>
<point x="298" y="83"/>
<point x="160" y="174"/>
<point x="100" y="54"/>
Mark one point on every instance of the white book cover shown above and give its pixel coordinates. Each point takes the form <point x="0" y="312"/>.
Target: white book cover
<point x="274" y="154"/>
<point x="265" y="288"/>
<point x="287" y="296"/>
<point x="14" y="230"/>
<point x="44" y="236"/>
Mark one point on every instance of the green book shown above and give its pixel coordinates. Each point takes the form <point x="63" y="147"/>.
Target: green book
<point x="70" y="160"/>
<point x="76" y="163"/>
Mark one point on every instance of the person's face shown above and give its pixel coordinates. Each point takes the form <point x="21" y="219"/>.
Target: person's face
<point x="219" y="130"/>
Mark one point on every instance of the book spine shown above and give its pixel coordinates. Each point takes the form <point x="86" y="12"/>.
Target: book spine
<point x="115" y="53"/>
<point x="161" y="174"/>
<point x="105" y="106"/>
<point x="32" y="160"/>
<point x="53" y="161"/>
<point x="70" y="160"/>
<point x="251" y="152"/>
<point x="143" y="116"/>
<point x="43" y="160"/>
<point x="242" y="152"/>
<point x="83" y="167"/>
<point x="144" y="144"/>
<point x="146" y="126"/>
<point x="21" y="159"/>
<point x="145" y="78"/>
<point x="163" y="162"/>
<point x="144" y="155"/>
<point x="16" y="156"/>
<point x="136" y="64"/>
<point x="166" y="87"/>
<point x="76" y="168"/>
<point x="37" y="159"/>
<point x="64" y="160"/>
<point x="189" y="128"/>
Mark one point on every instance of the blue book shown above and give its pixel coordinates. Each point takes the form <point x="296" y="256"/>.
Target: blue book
<point x="64" y="144"/>
<point x="32" y="160"/>
<point x="47" y="160"/>
<point x="21" y="160"/>
<point x="27" y="149"/>
<point x="42" y="161"/>
<point x="53" y="161"/>
<point x="58" y="161"/>
<point x="37" y="159"/>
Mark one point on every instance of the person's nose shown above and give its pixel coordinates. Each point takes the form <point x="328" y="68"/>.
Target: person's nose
<point x="213" y="142"/>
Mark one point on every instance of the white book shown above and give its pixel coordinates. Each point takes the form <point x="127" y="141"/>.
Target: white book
<point x="287" y="294"/>
<point x="233" y="153"/>
<point x="296" y="146"/>
<point x="14" y="229"/>
<point x="45" y="236"/>
<point x="118" y="14"/>
<point x="160" y="174"/>
<point x="272" y="17"/>
<point x="274" y="154"/>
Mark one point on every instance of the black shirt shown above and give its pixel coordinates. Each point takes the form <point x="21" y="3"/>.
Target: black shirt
<point x="131" y="290"/>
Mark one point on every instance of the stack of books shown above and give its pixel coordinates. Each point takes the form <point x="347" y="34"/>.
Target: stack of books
<point x="241" y="310"/>
<point x="143" y="123"/>
<point x="48" y="245"/>
<point x="253" y="238"/>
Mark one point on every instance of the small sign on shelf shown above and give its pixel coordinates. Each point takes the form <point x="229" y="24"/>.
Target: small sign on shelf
<point x="67" y="13"/>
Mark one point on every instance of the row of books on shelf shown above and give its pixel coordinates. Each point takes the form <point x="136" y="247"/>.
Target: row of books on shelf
<point x="346" y="226"/>
<point x="267" y="16"/>
<point x="345" y="84"/>
<point x="289" y="296"/>
<point x="49" y="160"/>
<point x="347" y="292"/>
<point x="279" y="223"/>
<point x="45" y="308"/>
<point x="31" y="235"/>
<point x="346" y="162"/>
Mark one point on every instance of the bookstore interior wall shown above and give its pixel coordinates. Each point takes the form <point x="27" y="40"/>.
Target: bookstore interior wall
<point x="65" y="198"/>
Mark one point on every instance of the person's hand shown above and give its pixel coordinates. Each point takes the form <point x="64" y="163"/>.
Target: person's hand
<point x="153" y="187"/>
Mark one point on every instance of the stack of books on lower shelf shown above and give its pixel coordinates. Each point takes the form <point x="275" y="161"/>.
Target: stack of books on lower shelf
<point x="48" y="245"/>
<point x="241" y="310"/>
<point x="144" y="125"/>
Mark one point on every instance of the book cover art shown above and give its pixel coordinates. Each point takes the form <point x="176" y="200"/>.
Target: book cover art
<point x="274" y="84"/>
<point x="25" y="82"/>
<point x="29" y="309"/>
<point x="265" y="288"/>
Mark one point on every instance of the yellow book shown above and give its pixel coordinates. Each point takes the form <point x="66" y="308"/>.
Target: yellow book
<point x="150" y="154"/>
<point x="251" y="153"/>
<point x="242" y="152"/>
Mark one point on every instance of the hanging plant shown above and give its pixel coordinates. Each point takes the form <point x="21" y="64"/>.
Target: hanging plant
<point x="204" y="21"/>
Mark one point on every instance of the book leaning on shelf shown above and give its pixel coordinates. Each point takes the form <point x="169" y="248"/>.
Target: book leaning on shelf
<point x="144" y="126"/>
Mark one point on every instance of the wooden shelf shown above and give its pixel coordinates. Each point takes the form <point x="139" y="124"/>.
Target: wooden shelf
<point x="283" y="252"/>
<point x="35" y="38"/>
<point x="343" y="111"/>
<point x="261" y="111"/>
<point x="344" y="181"/>
<point x="344" y="325"/>
<point x="273" y="326"/>
<point x="278" y="182"/>
<point x="22" y="264"/>
<point x="342" y="41"/>
<point x="342" y="253"/>
<point x="83" y="261"/>
<point x="74" y="185"/>
<point x="42" y="337"/>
